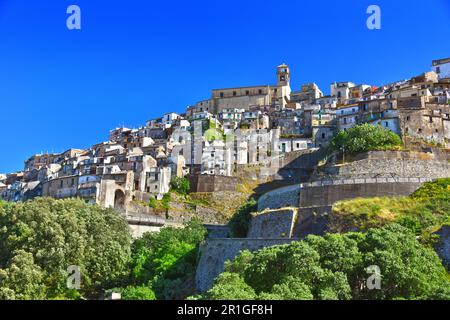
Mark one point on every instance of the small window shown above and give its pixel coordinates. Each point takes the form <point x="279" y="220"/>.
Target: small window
<point x="260" y="91"/>
<point x="234" y="93"/>
<point x="247" y="92"/>
<point x="221" y="94"/>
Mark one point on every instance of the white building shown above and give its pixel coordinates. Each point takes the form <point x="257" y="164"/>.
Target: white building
<point x="216" y="159"/>
<point x="347" y="116"/>
<point x="170" y="118"/>
<point x="231" y="118"/>
<point x="442" y="68"/>
<point x="286" y="145"/>
<point x="341" y="90"/>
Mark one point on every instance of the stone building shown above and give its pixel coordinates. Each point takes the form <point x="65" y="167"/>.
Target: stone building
<point x="424" y="119"/>
<point x="244" y="97"/>
<point x="309" y="93"/>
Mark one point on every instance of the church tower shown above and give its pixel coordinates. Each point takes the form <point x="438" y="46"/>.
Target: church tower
<point x="283" y="89"/>
<point x="283" y="75"/>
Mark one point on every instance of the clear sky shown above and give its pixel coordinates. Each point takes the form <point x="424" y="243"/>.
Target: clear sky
<point x="136" y="59"/>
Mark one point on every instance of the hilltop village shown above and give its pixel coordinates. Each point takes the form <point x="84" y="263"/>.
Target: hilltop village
<point x="235" y="128"/>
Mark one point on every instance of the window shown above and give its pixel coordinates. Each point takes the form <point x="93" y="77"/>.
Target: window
<point x="386" y="124"/>
<point x="431" y="119"/>
<point x="323" y="135"/>
<point x="247" y="92"/>
<point x="221" y="94"/>
<point x="438" y="70"/>
<point x="234" y="93"/>
<point x="407" y="118"/>
<point x="260" y="91"/>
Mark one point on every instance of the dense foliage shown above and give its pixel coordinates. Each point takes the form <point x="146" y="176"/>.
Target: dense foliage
<point x="424" y="212"/>
<point x="180" y="185"/>
<point x="165" y="262"/>
<point x="240" y="222"/>
<point x="364" y="138"/>
<point x="432" y="190"/>
<point x="40" y="239"/>
<point x="335" y="267"/>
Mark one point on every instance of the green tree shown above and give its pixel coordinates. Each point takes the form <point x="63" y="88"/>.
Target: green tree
<point x="364" y="138"/>
<point x="230" y="286"/>
<point x="180" y="185"/>
<point x="47" y="236"/>
<point x="335" y="267"/>
<point x="167" y="259"/>
<point x="22" y="279"/>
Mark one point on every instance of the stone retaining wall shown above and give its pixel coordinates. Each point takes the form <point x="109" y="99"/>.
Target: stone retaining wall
<point x="328" y="194"/>
<point x="273" y="223"/>
<point x="214" y="253"/>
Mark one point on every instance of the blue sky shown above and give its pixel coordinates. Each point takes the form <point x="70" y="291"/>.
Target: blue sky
<point x="135" y="59"/>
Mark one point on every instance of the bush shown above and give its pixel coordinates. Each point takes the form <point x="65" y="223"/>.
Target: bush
<point x="436" y="189"/>
<point x="166" y="260"/>
<point x="40" y="239"/>
<point x="364" y="138"/>
<point x="137" y="293"/>
<point x="240" y="222"/>
<point x="335" y="267"/>
<point x="180" y="185"/>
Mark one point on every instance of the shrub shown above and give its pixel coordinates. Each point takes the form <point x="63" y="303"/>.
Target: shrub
<point x="167" y="259"/>
<point x="435" y="189"/>
<point x="180" y="185"/>
<point x="364" y="138"/>
<point x="240" y="222"/>
<point x="137" y="293"/>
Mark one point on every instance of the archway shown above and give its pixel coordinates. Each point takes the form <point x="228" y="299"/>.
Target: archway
<point x="119" y="200"/>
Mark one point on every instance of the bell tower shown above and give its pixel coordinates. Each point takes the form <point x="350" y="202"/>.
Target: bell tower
<point x="283" y="89"/>
<point x="283" y="75"/>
